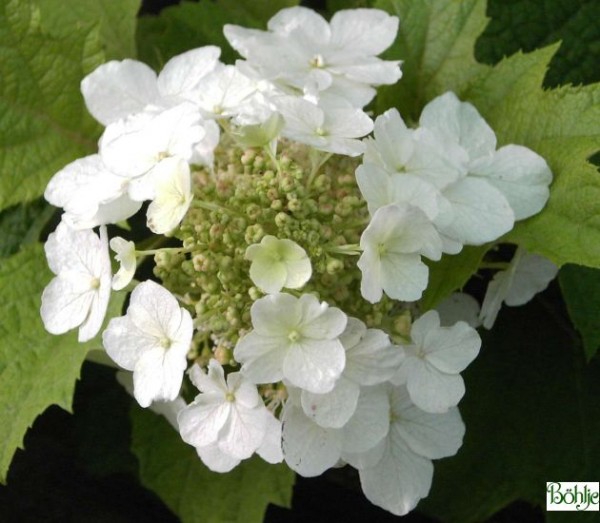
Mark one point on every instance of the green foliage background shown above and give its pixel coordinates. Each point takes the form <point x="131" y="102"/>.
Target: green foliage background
<point x="532" y="407"/>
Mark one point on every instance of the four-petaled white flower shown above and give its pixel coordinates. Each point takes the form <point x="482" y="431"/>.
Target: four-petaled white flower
<point x="228" y="421"/>
<point x="397" y="472"/>
<point x="434" y="360"/>
<point x="152" y="340"/>
<point x="392" y="246"/>
<point x="296" y="339"/>
<point x="278" y="263"/>
<point x="78" y="296"/>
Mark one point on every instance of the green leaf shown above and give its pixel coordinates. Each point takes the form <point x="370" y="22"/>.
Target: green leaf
<point x="581" y="291"/>
<point x="529" y="24"/>
<point x="36" y="369"/>
<point x="337" y="5"/>
<point x="116" y="21"/>
<point x="532" y="414"/>
<point x="435" y="42"/>
<point x="173" y="470"/>
<point x="22" y="224"/>
<point x="450" y="274"/>
<point x="44" y="123"/>
<point x="195" y="24"/>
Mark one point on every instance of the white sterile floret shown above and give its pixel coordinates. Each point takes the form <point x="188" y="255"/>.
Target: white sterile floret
<point x="301" y="50"/>
<point x="397" y="473"/>
<point x="173" y="189"/>
<point x="228" y="422"/>
<point x="392" y="246"/>
<point x="118" y="89"/>
<point x="526" y="275"/>
<point x="419" y="153"/>
<point x="310" y="449"/>
<point x="278" y="263"/>
<point x="125" y="255"/>
<point x="330" y="129"/>
<point x="90" y="194"/>
<point x="296" y="339"/>
<point x="370" y="359"/>
<point x="152" y="340"/>
<point x="78" y="296"/>
<point x="434" y="360"/>
<point x="135" y="147"/>
<point x="501" y="185"/>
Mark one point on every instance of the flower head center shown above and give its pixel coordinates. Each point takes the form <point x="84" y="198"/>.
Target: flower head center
<point x="317" y="61"/>
<point x="294" y="336"/>
<point x="319" y="131"/>
<point x="165" y="343"/>
<point x="95" y="283"/>
<point x="230" y="397"/>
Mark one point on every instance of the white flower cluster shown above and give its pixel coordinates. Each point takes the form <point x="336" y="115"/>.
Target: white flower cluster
<point x="349" y="393"/>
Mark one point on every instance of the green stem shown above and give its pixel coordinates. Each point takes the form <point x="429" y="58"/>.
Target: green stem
<point x="209" y="206"/>
<point x="352" y="249"/>
<point x="273" y="157"/>
<point x="175" y="250"/>
<point x="318" y="160"/>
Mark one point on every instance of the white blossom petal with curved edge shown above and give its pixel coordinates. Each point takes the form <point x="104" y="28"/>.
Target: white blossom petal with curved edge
<point x="526" y="275"/>
<point x="243" y="432"/>
<point x="116" y="90"/>
<point x="79" y="294"/>
<point x="270" y="449"/>
<point x="314" y="365"/>
<point x="459" y="122"/>
<point x="353" y="333"/>
<point x="481" y="212"/>
<point x="156" y="376"/>
<point x="275" y="315"/>
<point x="369" y="424"/>
<point x="404" y="276"/>
<point x="261" y="358"/>
<point x="533" y="274"/>
<point x="521" y="175"/>
<point x="210" y="382"/>
<point x="332" y="409"/>
<point x="400" y="478"/>
<point x="183" y="74"/>
<point x="393" y="143"/>
<point x="373" y="359"/>
<point x="459" y="307"/>
<point x="173" y="195"/>
<point x="432" y="436"/>
<point x="125" y="255"/>
<point x="433" y="390"/>
<point x="364" y="31"/>
<point x="203" y="151"/>
<point x="215" y="459"/>
<point x="308" y="448"/>
<point x="202" y="420"/>
<point x="245" y="392"/>
<point x="312" y="24"/>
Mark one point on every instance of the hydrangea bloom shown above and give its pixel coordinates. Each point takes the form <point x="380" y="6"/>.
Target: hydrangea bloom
<point x="78" y="295"/>
<point x="152" y="340"/>
<point x="295" y="339"/>
<point x="434" y="360"/>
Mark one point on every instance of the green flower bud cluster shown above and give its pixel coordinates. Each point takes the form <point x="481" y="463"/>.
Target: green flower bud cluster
<point x="249" y="195"/>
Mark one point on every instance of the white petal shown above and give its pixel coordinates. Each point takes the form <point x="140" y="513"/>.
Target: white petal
<point x="262" y="357"/>
<point x="311" y="23"/>
<point x="521" y="175"/>
<point x="183" y="73"/>
<point x="118" y="89"/>
<point x="459" y="307"/>
<point x="156" y="378"/>
<point x="270" y="449"/>
<point x="308" y="448"/>
<point x="399" y="480"/>
<point x="370" y="422"/>
<point x="481" y="212"/>
<point x="243" y="432"/>
<point x="432" y="390"/>
<point x="201" y="421"/>
<point x="125" y="255"/>
<point x="215" y="459"/>
<point x="364" y="31"/>
<point x="533" y="274"/>
<point x="173" y="195"/>
<point x="314" y="365"/>
<point x="275" y="315"/>
<point x="334" y="408"/>
<point x="65" y="304"/>
<point x="459" y="122"/>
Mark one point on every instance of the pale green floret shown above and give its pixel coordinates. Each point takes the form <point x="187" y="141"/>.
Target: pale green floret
<point x="248" y="197"/>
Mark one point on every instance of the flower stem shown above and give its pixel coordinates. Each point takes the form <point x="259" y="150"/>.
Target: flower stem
<point x="352" y="249"/>
<point x="318" y="160"/>
<point x="209" y="206"/>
